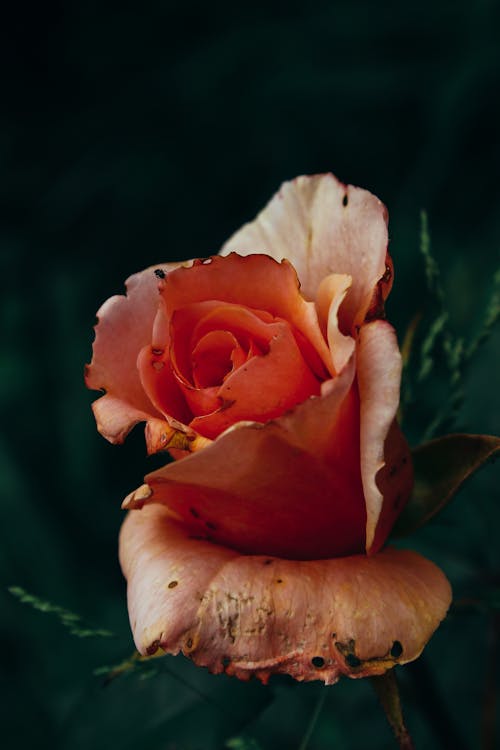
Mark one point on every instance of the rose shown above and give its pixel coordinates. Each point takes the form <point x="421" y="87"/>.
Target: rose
<point x="254" y="552"/>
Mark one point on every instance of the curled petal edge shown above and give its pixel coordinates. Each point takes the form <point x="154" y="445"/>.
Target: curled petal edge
<point x="323" y="226"/>
<point x="385" y="457"/>
<point x="311" y="452"/>
<point x="124" y="327"/>
<point x="258" y="616"/>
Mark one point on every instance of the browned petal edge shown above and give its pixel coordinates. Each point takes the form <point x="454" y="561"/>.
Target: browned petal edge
<point x="171" y="435"/>
<point x="257" y="615"/>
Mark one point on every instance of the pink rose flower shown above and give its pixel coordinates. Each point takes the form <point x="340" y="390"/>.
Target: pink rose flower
<point x="271" y="376"/>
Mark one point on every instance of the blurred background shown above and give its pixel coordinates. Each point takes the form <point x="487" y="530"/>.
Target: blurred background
<point x="132" y="134"/>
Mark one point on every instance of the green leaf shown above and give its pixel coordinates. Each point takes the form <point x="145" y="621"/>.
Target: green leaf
<point x="441" y="467"/>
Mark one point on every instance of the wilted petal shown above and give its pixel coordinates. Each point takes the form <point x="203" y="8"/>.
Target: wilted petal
<point x="178" y="438"/>
<point x="322" y="227"/>
<point x="255" y="615"/>
<point x="379" y="378"/>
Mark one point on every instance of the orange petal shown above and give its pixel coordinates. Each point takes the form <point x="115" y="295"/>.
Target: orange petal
<point x="379" y="378"/>
<point x="255" y="615"/>
<point x="323" y="226"/>
<point x="124" y="327"/>
<point x="257" y="282"/>
<point x="291" y="487"/>
<point x="159" y="383"/>
<point x="264" y="387"/>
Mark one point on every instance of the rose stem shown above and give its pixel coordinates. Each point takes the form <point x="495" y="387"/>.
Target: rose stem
<point x="387" y="689"/>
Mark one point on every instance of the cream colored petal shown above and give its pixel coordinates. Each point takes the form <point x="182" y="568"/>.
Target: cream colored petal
<point x="379" y="378"/>
<point x="331" y="294"/>
<point x="256" y="615"/>
<point x="322" y="227"/>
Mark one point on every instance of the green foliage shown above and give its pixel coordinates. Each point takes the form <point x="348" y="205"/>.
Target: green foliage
<point x="441" y="467"/>
<point x="117" y="670"/>
<point x="242" y="743"/>
<point x="314" y="719"/>
<point x="68" y="619"/>
<point x="440" y="352"/>
<point x="491" y="317"/>
<point x="432" y="273"/>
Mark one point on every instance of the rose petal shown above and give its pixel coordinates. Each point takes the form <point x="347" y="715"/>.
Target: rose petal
<point x="214" y="357"/>
<point x="160" y="385"/>
<point x="322" y="227"/>
<point x="291" y="487"/>
<point x="331" y="294"/>
<point x="395" y="482"/>
<point x="264" y="388"/>
<point x="379" y="378"/>
<point x="253" y="615"/>
<point x="255" y="281"/>
<point x="124" y="328"/>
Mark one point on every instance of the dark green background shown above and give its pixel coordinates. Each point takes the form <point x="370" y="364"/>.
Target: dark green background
<point x="137" y="133"/>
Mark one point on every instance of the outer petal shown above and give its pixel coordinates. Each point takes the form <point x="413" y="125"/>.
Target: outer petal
<point x="382" y="444"/>
<point x="124" y="327"/>
<point x="253" y="615"/>
<point x="323" y="226"/>
<point x="291" y="487"/>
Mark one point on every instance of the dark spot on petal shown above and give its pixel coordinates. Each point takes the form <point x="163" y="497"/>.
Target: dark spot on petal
<point x="268" y="562"/>
<point x="194" y="512"/>
<point x="210" y="525"/>
<point x="189" y="643"/>
<point x="404" y="460"/>
<point x="352" y="660"/>
<point x="159" y="273"/>
<point x="345" y="200"/>
<point x="397" y="501"/>
<point x="396" y="650"/>
<point x="393" y="470"/>
<point x="387" y="275"/>
<point x="318" y="662"/>
<point x="172" y="584"/>
<point x="279" y="580"/>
